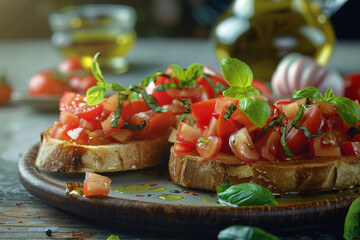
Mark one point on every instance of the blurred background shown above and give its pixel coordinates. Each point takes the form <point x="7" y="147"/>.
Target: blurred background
<point x="156" y="18"/>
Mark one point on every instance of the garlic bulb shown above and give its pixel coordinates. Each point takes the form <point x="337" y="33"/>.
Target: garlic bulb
<point x="296" y="71"/>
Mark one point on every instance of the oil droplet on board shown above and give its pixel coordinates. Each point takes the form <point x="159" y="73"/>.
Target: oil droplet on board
<point x="169" y="197"/>
<point x="138" y="188"/>
<point x="209" y="201"/>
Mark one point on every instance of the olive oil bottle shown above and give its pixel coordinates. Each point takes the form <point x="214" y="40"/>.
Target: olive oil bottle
<point x="261" y="32"/>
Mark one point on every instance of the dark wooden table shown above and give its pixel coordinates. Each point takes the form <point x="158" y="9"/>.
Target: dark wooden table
<point x="23" y="216"/>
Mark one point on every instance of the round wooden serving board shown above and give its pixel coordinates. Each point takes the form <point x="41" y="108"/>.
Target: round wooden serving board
<point x="190" y="210"/>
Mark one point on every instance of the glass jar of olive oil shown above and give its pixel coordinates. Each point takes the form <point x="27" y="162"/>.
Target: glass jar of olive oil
<point x="261" y="32"/>
<point x="83" y="30"/>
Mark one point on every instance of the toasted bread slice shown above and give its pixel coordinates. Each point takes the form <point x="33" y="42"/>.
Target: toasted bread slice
<point x="301" y="176"/>
<point x="64" y="156"/>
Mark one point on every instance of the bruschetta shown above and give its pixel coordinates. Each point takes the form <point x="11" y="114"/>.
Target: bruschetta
<point x="309" y="143"/>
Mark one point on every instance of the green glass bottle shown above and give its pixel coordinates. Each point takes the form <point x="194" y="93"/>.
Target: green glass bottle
<point x="261" y="32"/>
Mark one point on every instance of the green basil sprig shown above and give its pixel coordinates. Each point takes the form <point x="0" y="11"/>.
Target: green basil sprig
<point x="238" y="232"/>
<point x="96" y="94"/>
<point x="187" y="111"/>
<point x="352" y="221"/>
<point x="347" y="109"/>
<point x="239" y="76"/>
<point x="246" y="194"/>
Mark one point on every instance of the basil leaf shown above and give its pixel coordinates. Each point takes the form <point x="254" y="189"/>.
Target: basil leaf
<point x="113" y="237"/>
<point x="134" y="127"/>
<point x="277" y="121"/>
<point x="353" y="131"/>
<point x="246" y="194"/>
<point x="117" y="87"/>
<point x="179" y="72"/>
<point x="95" y="69"/>
<point x="145" y="96"/>
<point x="194" y="72"/>
<point x="151" y="78"/>
<point x="298" y="116"/>
<point x="239" y="92"/>
<point x="166" y="86"/>
<point x="223" y="187"/>
<point x="188" y="109"/>
<point x="257" y="110"/>
<point x="221" y="86"/>
<point x="236" y="72"/>
<point x="352" y="221"/>
<point x="238" y="232"/>
<point x="95" y="95"/>
<point x="347" y="109"/>
<point x="214" y="88"/>
<point x="309" y="92"/>
<point x="229" y="111"/>
<point x="329" y="94"/>
<point x="283" y="143"/>
<point x="117" y="114"/>
<point x="134" y="96"/>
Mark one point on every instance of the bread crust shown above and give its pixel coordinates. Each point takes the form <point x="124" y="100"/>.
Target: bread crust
<point x="299" y="176"/>
<point x="65" y="156"/>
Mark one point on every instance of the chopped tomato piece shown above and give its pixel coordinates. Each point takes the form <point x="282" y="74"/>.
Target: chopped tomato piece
<point x="269" y="145"/>
<point x="351" y="148"/>
<point x="76" y="104"/>
<point x="242" y="146"/>
<point x="215" y="78"/>
<point x="202" y="111"/>
<point x="112" y="103"/>
<point x="325" y="145"/>
<point x="327" y="109"/>
<point x="183" y="148"/>
<point x="262" y="87"/>
<point x="106" y="124"/>
<point x="122" y="135"/>
<point x="60" y="133"/>
<point x="188" y="134"/>
<point x="290" y="110"/>
<point x="336" y="126"/>
<point x="239" y="119"/>
<point x="98" y="137"/>
<point x="156" y="123"/>
<point x="208" y="147"/>
<point x="223" y="103"/>
<point x="95" y="185"/>
<point x="313" y="120"/>
<point x="211" y="130"/>
<point x="78" y="134"/>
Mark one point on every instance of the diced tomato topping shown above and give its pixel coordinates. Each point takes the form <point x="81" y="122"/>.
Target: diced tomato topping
<point x="262" y="87"/>
<point x="106" y="124"/>
<point x="336" y="126"/>
<point x="327" y="109"/>
<point x="239" y="119"/>
<point x="112" y="103"/>
<point x="98" y="137"/>
<point x="188" y="134"/>
<point x="313" y="120"/>
<point x="202" y="111"/>
<point x="211" y="130"/>
<point x="122" y="135"/>
<point x="325" y="145"/>
<point x="78" y="134"/>
<point x="290" y="110"/>
<point x="223" y="103"/>
<point x="242" y="146"/>
<point x="76" y="104"/>
<point x="351" y="148"/>
<point x="269" y="145"/>
<point x="183" y="148"/>
<point x="95" y="185"/>
<point x="208" y="147"/>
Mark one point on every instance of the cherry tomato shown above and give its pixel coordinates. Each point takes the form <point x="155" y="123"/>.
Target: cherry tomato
<point x="325" y="146"/>
<point x="76" y="104"/>
<point x="47" y="83"/>
<point x="313" y="120"/>
<point x="352" y="86"/>
<point x="80" y="83"/>
<point x="69" y="65"/>
<point x="269" y="144"/>
<point x="5" y="91"/>
<point x="95" y="185"/>
<point x="242" y="146"/>
<point x="263" y="88"/>
<point x="208" y="147"/>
